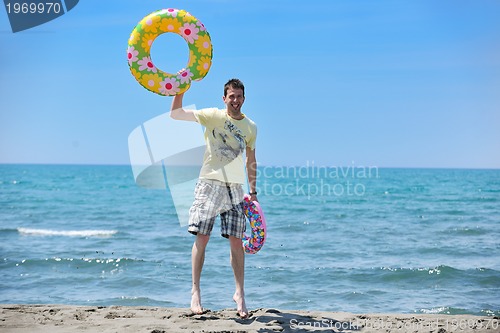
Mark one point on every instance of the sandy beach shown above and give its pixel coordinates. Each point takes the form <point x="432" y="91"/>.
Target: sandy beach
<point x="66" y="318"/>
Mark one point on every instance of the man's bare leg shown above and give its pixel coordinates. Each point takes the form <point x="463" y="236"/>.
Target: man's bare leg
<point x="197" y="260"/>
<point x="238" y="264"/>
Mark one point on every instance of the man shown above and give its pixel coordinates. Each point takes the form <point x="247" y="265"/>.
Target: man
<point x="219" y="191"/>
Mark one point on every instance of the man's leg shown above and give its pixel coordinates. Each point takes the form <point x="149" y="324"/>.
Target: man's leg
<point x="238" y="264"/>
<point x="201" y="221"/>
<point x="197" y="260"/>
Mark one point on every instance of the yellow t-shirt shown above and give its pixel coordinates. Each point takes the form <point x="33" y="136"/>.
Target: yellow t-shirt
<point x="226" y="140"/>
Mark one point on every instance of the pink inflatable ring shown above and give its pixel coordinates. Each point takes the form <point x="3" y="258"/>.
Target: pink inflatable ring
<point x="253" y="243"/>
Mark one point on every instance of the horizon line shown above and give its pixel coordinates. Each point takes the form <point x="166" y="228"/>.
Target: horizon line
<point x="263" y="166"/>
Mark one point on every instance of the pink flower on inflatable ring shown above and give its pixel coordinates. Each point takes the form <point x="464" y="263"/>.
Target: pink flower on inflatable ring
<point x="185" y="76"/>
<point x="190" y="32"/>
<point x="172" y="12"/>
<point x="169" y="86"/>
<point x="147" y="64"/>
<point x="132" y="55"/>
<point x="201" y="25"/>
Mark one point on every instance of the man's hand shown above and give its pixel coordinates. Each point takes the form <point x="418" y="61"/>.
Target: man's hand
<point x="252" y="173"/>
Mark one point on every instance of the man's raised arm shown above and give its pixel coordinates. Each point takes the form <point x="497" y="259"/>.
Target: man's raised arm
<point x="177" y="112"/>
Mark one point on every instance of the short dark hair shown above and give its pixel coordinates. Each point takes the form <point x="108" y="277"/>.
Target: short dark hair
<point x="235" y="84"/>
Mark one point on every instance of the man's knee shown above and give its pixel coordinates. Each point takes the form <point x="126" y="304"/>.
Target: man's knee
<point x="235" y="242"/>
<point x="202" y="240"/>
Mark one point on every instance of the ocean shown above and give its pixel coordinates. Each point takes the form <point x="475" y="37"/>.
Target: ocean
<point x="354" y="239"/>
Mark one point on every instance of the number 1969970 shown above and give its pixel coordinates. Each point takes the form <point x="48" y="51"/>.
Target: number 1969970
<point x="33" y="8"/>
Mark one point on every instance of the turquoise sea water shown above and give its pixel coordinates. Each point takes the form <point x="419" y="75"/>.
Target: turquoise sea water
<point x="339" y="239"/>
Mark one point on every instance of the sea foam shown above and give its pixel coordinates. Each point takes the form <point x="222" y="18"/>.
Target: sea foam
<point x="69" y="233"/>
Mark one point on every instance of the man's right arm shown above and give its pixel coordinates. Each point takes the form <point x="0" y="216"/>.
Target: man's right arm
<point x="178" y="113"/>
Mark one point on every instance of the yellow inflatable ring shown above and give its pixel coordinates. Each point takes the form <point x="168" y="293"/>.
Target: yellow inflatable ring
<point x="139" y="45"/>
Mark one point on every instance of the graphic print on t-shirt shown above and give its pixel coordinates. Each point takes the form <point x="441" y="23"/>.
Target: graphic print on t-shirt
<point x="230" y="142"/>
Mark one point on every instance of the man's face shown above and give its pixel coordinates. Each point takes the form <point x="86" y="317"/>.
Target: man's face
<point x="234" y="99"/>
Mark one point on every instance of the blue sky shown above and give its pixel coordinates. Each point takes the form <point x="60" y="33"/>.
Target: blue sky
<point x="374" y="83"/>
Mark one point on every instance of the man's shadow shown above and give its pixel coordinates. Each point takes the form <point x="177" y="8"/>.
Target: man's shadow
<point x="293" y="322"/>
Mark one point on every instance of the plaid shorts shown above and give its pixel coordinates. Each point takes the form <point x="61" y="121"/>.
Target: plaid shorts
<point x="212" y="198"/>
